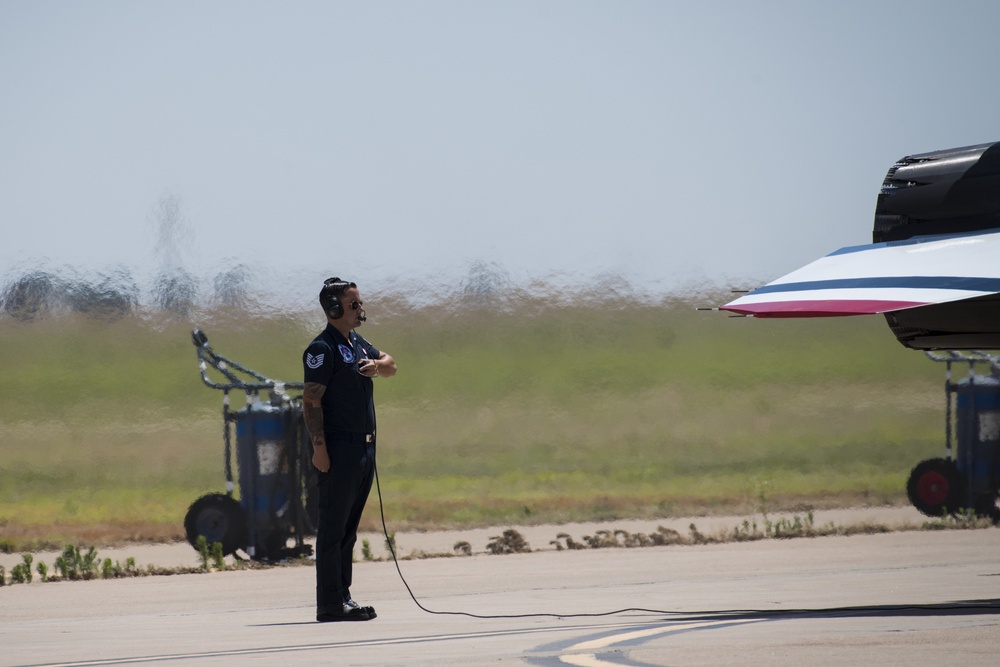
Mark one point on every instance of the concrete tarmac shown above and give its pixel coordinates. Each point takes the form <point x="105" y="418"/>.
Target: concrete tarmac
<point x="902" y="598"/>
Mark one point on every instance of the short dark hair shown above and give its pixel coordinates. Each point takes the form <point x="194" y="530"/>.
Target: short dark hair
<point x="329" y="296"/>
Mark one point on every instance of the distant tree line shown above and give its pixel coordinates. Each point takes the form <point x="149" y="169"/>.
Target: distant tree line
<point x="115" y="294"/>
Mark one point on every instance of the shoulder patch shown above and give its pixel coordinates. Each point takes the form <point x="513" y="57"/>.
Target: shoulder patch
<point x="314" y="361"/>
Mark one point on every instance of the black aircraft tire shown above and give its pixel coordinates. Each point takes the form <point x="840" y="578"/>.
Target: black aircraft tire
<point x="935" y="487"/>
<point x="219" y="518"/>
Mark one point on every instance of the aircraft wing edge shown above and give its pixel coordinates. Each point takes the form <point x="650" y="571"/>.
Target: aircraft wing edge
<point x="819" y="307"/>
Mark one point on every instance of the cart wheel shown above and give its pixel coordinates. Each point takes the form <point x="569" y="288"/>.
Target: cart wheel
<point x="986" y="506"/>
<point x="272" y="545"/>
<point x="935" y="487"/>
<point x="220" y="519"/>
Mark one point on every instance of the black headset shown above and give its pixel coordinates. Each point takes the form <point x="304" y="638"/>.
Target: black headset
<point x="329" y="296"/>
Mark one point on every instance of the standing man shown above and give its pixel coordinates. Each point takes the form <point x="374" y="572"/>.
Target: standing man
<point x="339" y="413"/>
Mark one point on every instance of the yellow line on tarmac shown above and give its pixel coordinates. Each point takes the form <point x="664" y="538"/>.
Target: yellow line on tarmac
<point x="316" y="647"/>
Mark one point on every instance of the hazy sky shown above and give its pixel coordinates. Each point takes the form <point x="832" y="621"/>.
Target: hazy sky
<point x="670" y="142"/>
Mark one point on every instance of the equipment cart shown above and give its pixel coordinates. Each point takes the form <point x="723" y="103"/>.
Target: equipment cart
<point x="967" y="479"/>
<point x="277" y="503"/>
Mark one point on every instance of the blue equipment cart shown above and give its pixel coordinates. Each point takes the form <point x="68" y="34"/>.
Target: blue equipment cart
<point x="277" y="505"/>
<point x="967" y="479"/>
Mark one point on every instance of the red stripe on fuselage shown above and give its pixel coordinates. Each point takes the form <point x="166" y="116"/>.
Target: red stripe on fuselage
<point x="821" y="308"/>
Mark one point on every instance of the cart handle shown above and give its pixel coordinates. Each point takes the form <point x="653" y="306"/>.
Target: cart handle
<point x="229" y="368"/>
<point x="969" y="356"/>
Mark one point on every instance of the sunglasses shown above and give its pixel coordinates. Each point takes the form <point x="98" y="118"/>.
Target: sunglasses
<point x="356" y="304"/>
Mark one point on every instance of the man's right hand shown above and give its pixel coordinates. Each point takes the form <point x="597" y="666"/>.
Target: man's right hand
<point x="321" y="459"/>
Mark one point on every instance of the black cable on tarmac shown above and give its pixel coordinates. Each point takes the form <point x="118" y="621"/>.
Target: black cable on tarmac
<point x="979" y="605"/>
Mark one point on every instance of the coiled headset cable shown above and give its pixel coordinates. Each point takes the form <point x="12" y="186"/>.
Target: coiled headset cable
<point x="392" y="550"/>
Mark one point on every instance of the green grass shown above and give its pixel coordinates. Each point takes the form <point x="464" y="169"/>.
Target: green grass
<point x="545" y="412"/>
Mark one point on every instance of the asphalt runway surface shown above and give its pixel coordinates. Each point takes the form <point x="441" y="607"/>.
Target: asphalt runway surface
<point x="901" y="598"/>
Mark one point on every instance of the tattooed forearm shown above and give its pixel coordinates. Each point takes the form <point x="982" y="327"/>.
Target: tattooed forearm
<point x="314" y="423"/>
<point x="312" y="412"/>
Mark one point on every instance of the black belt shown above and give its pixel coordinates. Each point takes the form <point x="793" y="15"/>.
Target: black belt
<point x="351" y="437"/>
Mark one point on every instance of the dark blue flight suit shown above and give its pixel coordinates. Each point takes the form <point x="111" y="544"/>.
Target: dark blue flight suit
<point x="349" y="428"/>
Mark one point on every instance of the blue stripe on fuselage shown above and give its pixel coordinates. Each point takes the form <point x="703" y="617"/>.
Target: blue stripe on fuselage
<point x="915" y="240"/>
<point x="907" y="282"/>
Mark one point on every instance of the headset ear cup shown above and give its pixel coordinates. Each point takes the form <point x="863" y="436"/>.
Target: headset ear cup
<point x="329" y="296"/>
